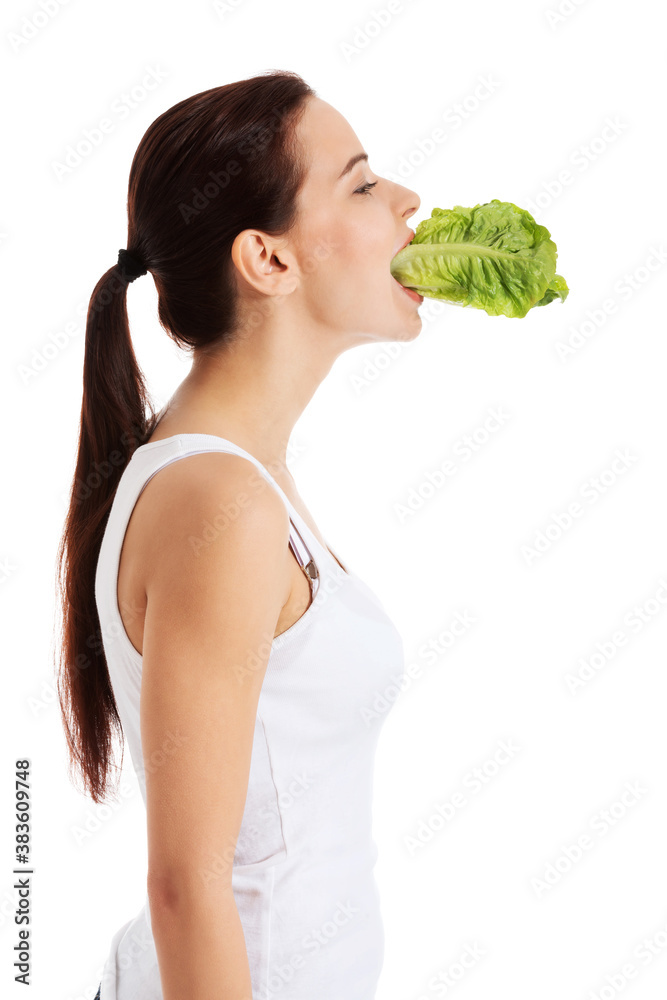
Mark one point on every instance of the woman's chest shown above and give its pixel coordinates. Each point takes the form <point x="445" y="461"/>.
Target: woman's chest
<point x="341" y="669"/>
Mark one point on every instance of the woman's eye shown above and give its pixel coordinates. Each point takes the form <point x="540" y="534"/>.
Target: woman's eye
<point x="365" y="188"/>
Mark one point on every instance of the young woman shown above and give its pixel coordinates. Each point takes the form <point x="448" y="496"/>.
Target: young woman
<point x="205" y="618"/>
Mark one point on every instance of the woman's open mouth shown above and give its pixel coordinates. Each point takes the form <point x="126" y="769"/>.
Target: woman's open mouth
<point x="415" y="296"/>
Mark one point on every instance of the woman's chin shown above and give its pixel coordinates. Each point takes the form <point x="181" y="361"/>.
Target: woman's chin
<point x="412" y="330"/>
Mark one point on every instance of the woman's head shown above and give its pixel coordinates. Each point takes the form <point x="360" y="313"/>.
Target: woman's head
<point x="236" y="205"/>
<point x="330" y="271"/>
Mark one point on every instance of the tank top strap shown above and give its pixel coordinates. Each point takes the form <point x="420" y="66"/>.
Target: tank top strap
<point x="192" y="444"/>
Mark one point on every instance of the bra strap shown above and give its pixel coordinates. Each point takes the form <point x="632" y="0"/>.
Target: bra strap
<point x="307" y="565"/>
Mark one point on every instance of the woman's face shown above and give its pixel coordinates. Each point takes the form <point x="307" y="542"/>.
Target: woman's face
<point x="344" y="239"/>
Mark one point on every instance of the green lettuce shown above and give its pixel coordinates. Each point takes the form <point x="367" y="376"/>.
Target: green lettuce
<point x="493" y="257"/>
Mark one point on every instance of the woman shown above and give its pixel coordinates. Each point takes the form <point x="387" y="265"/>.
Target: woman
<point x="205" y="617"/>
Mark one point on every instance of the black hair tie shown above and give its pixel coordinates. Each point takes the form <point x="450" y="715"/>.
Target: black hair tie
<point x="130" y="267"/>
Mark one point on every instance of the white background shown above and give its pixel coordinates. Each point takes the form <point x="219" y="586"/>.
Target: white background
<point x="375" y="429"/>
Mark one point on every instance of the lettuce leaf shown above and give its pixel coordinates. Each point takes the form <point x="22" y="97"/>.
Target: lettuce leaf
<point x="493" y="257"/>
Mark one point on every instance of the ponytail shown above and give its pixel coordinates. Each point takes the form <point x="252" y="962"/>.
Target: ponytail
<point x="116" y="417"/>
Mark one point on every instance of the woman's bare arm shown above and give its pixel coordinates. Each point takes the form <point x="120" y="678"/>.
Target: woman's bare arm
<point x="212" y="609"/>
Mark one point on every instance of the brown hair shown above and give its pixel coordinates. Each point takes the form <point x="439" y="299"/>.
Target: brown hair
<point x="212" y="165"/>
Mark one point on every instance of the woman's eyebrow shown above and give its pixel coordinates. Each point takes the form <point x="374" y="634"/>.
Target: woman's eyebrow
<point x="351" y="162"/>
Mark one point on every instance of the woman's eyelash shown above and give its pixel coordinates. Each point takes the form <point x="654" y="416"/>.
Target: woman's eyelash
<point x="365" y="188"/>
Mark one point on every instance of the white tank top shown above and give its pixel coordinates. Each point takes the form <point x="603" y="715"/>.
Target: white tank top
<point x="302" y="874"/>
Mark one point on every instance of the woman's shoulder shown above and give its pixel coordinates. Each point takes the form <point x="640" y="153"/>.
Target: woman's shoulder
<point x="205" y="497"/>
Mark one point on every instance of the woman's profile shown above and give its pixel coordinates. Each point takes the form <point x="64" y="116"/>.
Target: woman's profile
<point x="205" y="618"/>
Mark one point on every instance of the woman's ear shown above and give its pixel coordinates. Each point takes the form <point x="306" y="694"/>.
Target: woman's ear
<point x="255" y="259"/>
